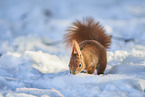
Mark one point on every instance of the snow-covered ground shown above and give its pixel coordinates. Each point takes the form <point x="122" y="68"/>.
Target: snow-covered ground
<point x="33" y="59"/>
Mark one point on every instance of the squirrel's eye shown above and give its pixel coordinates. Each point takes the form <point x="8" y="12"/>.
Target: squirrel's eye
<point x="80" y="65"/>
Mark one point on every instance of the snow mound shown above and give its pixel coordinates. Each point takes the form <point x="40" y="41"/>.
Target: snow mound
<point x="45" y="63"/>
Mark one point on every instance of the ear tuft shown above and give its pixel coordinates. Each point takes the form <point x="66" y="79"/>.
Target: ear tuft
<point x="76" y="48"/>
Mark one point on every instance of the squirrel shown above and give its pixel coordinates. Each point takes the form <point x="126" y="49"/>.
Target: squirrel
<point x="89" y="44"/>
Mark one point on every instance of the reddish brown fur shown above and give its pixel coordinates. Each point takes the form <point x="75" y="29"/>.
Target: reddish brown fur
<point x="94" y="55"/>
<point x="89" y="44"/>
<point x="88" y="29"/>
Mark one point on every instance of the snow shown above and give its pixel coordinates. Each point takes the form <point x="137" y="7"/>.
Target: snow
<point x="34" y="61"/>
<point x="45" y="63"/>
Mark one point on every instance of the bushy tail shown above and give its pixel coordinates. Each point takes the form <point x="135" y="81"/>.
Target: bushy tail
<point x="88" y="29"/>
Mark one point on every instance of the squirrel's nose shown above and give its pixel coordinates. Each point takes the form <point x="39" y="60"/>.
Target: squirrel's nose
<point x="74" y="73"/>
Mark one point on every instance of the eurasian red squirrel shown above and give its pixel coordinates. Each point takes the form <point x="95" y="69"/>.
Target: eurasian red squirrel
<point x="89" y="44"/>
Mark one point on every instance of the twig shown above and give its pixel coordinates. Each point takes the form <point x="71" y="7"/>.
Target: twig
<point x="58" y="92"/>
<point x="53" y="43"/>
<point x="122" y="38"/>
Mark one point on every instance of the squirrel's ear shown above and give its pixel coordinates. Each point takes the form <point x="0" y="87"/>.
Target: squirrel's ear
<point x="76" y="48"/>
